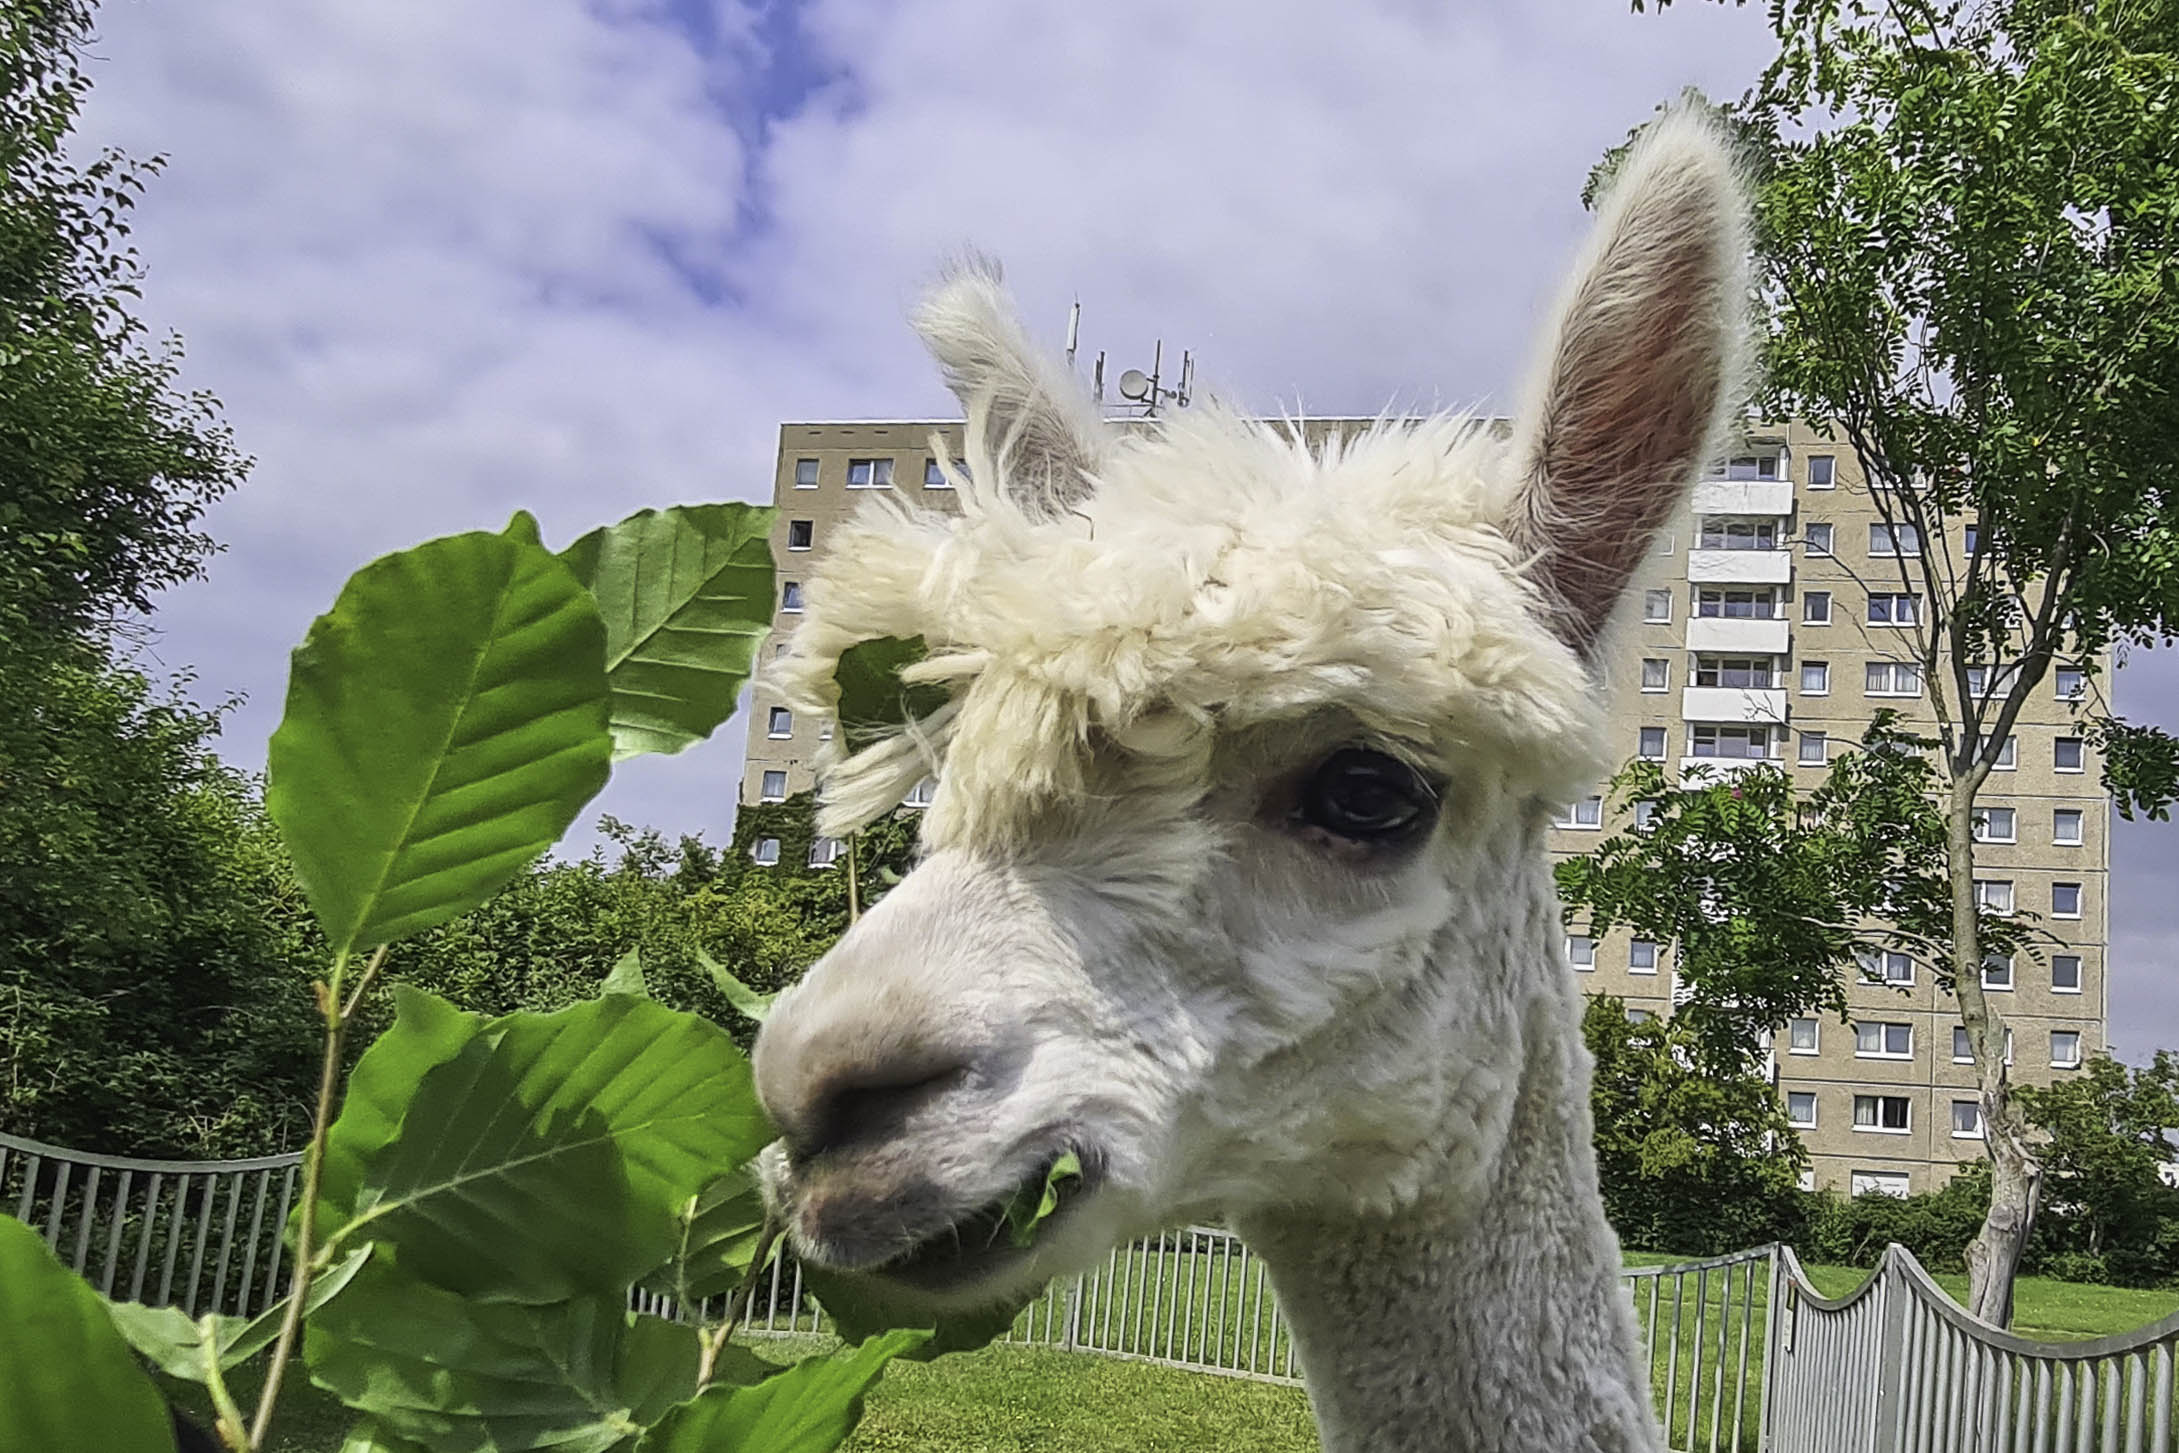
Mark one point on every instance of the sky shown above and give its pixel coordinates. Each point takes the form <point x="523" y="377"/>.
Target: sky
<point x="442" y="261"/>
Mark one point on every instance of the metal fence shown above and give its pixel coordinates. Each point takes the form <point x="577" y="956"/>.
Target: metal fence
<point x="205" y="1236"/>
<point x="1898" y="1367"/>
<point x="1743" y="1352"/>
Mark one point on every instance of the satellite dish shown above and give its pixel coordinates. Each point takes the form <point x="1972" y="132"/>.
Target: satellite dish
<point x="1134" y="384"/>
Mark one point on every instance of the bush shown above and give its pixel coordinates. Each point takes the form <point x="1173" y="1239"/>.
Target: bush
<point x="1935" y="1225"/>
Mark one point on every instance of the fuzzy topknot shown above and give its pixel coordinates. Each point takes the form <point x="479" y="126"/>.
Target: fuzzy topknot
<point x="1221" y="575"/>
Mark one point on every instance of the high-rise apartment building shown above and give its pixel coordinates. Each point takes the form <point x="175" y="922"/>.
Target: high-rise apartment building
<point x="1770" y="622"/>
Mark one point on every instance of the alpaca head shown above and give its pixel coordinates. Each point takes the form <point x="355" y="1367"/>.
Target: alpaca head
<point x="1233" y="880"/>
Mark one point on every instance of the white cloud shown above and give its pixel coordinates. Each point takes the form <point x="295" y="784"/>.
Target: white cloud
<point x="446" y="260"/>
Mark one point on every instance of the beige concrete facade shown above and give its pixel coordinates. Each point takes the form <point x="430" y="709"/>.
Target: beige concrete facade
<point x="1751" y="630"/>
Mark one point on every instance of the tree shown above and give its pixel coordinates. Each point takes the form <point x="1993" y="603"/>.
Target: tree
<point x="1689" y="1160"/>
<point x="2111" y="1132"/>
<point x="1969" y="218"/>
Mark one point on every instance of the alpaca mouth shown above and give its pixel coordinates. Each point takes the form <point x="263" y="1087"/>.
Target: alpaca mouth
<point x="991" y="1239"/>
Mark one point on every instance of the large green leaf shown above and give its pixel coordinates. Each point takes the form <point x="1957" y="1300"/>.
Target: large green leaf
<point x="756" y="1006"/>
<point x="445" y="722"/>
<point x="861" y="1308"/>
<point x="627" y="976"/>
<point x="686" y="594"/>
<point x="180" y="1347"/>
<point x="369" y="1437"/>
<point x="452" y="1373"/>
<point x="717" y="1238"/>
<point x="67" y="1380"/>
<point x="809" y="1408"/>
<point x="873" y="698"/>
<point x="552" y="1154"/>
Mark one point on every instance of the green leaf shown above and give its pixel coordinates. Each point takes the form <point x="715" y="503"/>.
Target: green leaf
<point x="861" y="1309"/>
<point x="809" y="1408"/>
<point x="523" y="526"/>
<point x="686" y="595"/>
<point x="747" y="1000"/>
<point x="445" y="722"/>
<point x="719" y="1233"/>
<point x="1027" y="1210"/>
<point x="872" y="696"/>
<point x="187" y="1349"/>
<point x="627" y="976"/>
<point x="657" y="1367"/>
<point x="551" y="1156"/>
<point x="451" y="1372"/>
<point x="369" y="1437"/>
<point x="67" y="1379"/>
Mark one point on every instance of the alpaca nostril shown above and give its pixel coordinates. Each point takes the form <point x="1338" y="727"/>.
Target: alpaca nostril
<point x="868" y="1103"/>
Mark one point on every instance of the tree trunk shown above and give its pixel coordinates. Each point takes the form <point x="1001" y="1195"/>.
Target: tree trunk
<point x="2016" y="1175"/>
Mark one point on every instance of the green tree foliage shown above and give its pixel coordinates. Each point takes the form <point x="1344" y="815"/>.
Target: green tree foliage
<point x="105" y="466"/>
<point x="2110" y="1131"/>
<point x="1691" y="1159"/>
<point x="1969" y="224"/>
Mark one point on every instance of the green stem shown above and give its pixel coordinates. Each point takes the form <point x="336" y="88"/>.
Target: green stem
<point x="745" y="1295"/>
<point x="231" y="1426"/>
<point x="306" y="1231"/>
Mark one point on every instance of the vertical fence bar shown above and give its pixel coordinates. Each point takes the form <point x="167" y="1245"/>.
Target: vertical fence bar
<point x="113" y="1233"/>
<point x="30" y="1186"/>
<point x="2160" y="1418"/>
<point x="144" y="1237"/>
<point x="249" y="1247"/>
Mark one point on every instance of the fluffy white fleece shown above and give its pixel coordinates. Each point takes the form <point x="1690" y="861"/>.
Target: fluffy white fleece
<point x="1219" y="572"/>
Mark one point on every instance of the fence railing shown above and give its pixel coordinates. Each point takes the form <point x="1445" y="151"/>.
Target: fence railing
<point x="1898" y="1367"/>
<point x="1743" y="1352"/>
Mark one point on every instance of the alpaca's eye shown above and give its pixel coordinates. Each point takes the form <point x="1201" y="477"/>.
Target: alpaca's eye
<point x="1366" y="796"/>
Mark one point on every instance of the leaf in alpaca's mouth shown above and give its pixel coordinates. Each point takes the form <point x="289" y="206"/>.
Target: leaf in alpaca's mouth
<point x="873" y="698"/>
<point x="1034" y="1203"/>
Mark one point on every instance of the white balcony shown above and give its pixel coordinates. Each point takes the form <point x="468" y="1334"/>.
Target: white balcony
<point x="1737" y="635"/>
<point x="1744" y="497"/>
<point x="1694" y="769"/>
<point x="1732" y="704"/>
<point x="1740" y="567"/>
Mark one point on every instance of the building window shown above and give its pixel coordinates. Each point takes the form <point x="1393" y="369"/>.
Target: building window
<point x="823" y="851"/>
<point x="1758" y="673"/>
<point x="1747" y="466"/>
<point x="1815" y="607"/>
<point x="1893" y="540"/>
<point x="1963" y="1048"/>
<point x="790" y="595"/>
<point x="764" y="851"/>
<point x="1883" y="1041"/>
<point x="2066" y="755"/>
<point x="1815" y="748"/>
<point x="1822" y="471"/>
<point x="1656" y="673"/>
<point x="1967" y="1120"/>
<point x="1891" y="1183"/>
<point x="2065" y="973"/>
<point x="2065" y="1049"/>
<point x="934" y="475"/>
<point x="1892" y="678"/>
<point x="1737" y="605"/>
<point x="1656" y="605"/>
<point x="2066" y="826"/>
<point x="1585" y="813"/>
<point x="1995" y="825"/>
<point x="920" y="794"/>
<point x="1888" y="966"/>
<point x="2008" y="756"/>
<point x="1997" y="972"/>
<point x="1739" y="742"/>
<point x="805" y="474"/>
<point x="774" y="788"/>
<point x="801" y="534"/>
<point x="1888" y="1113"/>
<point x="781" y="723"/>
<point x="2065" y="900"/>
<point x="1645" y="815"/>
<point x="1639" y="1016"/>
<point x="1652" y="748"/>
<point x="1815" y="678"/>
<point x="1642" y="956"/>
<point x="869" y="474"/>
<point x="1803" y="1036"/>
<point x="2072" y="682"/>
<point x="1801" y="1109"/>
<point x="1581" y="950"/>
<point x="1972" y="540"/>
<point x="1894" y="610"/>
<point x="1819" y="539"/>
<point x="1994" y="895"/>
<point x="1736" y="534"/>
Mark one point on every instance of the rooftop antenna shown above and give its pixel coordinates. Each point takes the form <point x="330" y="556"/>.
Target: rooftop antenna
<point x="1074" y="331"/>
<point x="1147" y="390"/>
<point x="1097" y="384"/>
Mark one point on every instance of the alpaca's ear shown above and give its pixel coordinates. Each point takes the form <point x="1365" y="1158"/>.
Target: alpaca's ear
<point x="1041" y="431"/>
<point x="1641" y="372"/>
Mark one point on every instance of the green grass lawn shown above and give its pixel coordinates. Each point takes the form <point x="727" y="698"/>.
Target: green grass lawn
<point x="1007" y="1399"/>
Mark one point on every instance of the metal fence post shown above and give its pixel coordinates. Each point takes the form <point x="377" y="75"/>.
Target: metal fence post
<point x="1775" y="1344"/>
<point x="1074" y="1313"/>
<point x="1891" y="1371"/>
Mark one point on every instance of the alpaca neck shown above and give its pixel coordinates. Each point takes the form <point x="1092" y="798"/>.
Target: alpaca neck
<point x="1482" y="1328"/>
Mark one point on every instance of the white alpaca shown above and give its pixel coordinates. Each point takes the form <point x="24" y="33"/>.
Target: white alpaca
<point x="1235" y="880"/>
